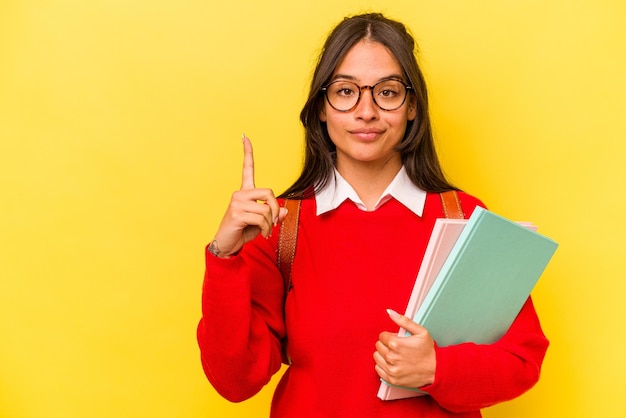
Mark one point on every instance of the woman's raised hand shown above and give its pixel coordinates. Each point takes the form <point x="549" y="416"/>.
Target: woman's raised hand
<point x="252" y="211"/>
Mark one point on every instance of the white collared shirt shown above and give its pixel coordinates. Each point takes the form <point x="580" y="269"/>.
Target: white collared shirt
<point x="401" y="188"/>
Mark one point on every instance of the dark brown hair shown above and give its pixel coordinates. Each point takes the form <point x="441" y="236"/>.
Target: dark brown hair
<point x="417" y="148"/>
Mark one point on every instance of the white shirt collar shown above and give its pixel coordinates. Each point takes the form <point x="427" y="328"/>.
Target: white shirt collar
<point x="401" y="188"/>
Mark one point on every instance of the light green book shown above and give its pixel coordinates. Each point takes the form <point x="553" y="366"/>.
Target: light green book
<point x="482" y="285"/>
<point x="485" y="280"/>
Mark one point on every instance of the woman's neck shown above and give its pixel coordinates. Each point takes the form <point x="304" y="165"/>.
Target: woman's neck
<point x="369" y="180"/>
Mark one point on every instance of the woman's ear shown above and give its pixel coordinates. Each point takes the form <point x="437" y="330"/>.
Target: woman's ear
<point x="323" y="114"/>
<point x="412" y="108"/>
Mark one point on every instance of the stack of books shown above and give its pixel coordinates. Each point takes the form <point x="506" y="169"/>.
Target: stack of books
<point x="476" y="275"/>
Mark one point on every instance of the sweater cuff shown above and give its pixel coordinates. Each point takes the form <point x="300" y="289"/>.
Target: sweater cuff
<point x="225" y="278"/>
<point x="448" y="361"/>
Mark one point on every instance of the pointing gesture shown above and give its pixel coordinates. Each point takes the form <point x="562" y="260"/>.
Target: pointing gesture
<point x="252" y="211"/>
<point x="247" y="178"/>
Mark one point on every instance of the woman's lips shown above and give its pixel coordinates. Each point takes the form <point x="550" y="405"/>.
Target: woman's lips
<point x="366" y="134"/>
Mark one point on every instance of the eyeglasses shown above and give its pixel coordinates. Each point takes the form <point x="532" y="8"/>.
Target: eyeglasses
<point x="387" y="94"/>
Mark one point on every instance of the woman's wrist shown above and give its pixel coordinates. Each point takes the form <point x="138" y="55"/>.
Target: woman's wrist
<point x="214" y="249"/>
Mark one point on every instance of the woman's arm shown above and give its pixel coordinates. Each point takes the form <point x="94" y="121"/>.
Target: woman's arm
<point x="242" y="297"/>
<point x="468" y="376"/>
<point x="474" y="376"/>
<point x="242" y="323"/>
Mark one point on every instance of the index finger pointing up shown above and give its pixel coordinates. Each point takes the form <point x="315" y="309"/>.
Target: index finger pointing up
<point x="247" y="178"/>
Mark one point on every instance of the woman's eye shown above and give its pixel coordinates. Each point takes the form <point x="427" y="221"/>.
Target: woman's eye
<point x="345" y="91"/>
<point x="388" y="93"/>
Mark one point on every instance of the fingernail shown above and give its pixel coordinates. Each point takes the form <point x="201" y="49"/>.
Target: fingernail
<point x="393" y="313"/>
<point x="243" y="136"/>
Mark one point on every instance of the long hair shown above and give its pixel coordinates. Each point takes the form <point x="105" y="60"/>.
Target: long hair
<point x="417" y="148"/>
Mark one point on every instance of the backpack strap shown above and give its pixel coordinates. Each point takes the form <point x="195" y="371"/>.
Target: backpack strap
<point x="287" y="240"/>
<point x="286" y="252"/>
<point x="451" y="205"/>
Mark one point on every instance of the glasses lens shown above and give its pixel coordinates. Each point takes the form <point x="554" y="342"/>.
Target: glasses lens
<point x="389" y="94"/>
<point x="342" y="95"/>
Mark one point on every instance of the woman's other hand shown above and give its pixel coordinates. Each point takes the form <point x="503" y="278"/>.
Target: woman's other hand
<point x="406" y="361"/>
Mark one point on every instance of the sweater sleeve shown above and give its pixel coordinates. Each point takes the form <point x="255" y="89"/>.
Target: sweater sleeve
<point x="242" y="324"/>
<point x="472" y="376"/>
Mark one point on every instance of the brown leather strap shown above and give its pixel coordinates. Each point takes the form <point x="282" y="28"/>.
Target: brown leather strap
<point x="287" y="240"/>
<point x="286" y="253"/>
<point x="451" y="205"/>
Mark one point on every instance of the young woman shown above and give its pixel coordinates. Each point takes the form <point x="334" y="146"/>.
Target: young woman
<point x="369" y="195"/>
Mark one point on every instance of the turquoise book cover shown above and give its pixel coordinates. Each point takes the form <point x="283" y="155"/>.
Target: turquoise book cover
<point x="485" y="280"/>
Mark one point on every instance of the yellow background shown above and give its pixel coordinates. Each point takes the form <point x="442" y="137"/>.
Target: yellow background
<point x="119" y="149"/>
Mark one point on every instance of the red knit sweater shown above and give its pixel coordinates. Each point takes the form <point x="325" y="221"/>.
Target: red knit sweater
<point x="350" y="266"/>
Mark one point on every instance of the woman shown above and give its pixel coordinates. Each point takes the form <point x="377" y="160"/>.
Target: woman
<point x="369" y="195"/>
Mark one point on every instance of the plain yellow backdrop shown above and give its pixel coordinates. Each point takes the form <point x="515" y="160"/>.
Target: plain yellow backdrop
<point x="120" y="125"/>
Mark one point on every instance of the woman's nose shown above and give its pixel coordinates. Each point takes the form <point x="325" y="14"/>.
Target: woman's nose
<point x="366" y="108"/>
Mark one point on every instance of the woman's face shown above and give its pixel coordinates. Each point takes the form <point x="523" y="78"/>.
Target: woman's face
<point x="367" y="134"/>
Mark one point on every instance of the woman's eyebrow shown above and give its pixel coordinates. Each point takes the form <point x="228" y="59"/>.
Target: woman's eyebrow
<point x="352" y="78"/>
<point x="343" y="77"/>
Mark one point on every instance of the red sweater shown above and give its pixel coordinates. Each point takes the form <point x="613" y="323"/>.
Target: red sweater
<point x="350" y="266"/>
